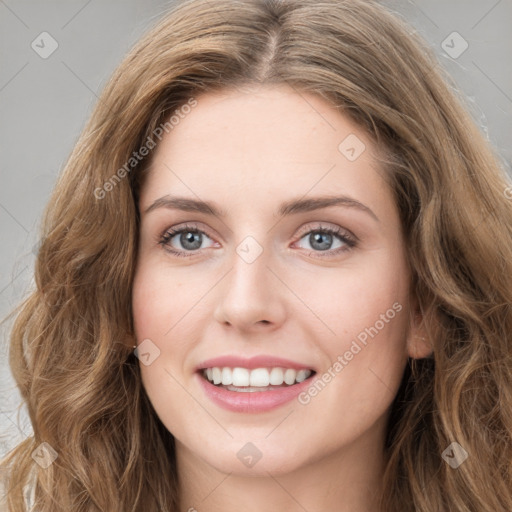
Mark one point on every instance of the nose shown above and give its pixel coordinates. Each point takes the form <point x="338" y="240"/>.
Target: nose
<point x="251" y="296"/>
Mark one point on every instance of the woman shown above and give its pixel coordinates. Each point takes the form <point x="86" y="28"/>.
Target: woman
<point x="371" y="376"/>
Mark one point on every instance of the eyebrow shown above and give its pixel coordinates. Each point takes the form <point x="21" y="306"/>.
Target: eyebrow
<point x="293" y="206"/>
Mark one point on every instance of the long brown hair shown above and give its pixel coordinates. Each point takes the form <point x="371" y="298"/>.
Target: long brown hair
<point x="71" y="348"/>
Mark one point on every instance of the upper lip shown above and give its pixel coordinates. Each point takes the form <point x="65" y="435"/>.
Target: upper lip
<point x="261" y="361"/>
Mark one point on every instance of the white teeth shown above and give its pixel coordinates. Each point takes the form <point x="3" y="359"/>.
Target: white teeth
<point x="216" y="375"/>
<point x="276" y="376"/>
<point x="240" y="376"/>
<point x="289" y="376"/>
<point x="259" y="377"/>
<point x="227" y="377"/>
<point x="302" y="375"/>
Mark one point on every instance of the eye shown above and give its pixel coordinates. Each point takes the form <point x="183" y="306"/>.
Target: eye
<point x="322" y="238"/>
<point x="190" y="238"/>
<point x="185" y="241"/>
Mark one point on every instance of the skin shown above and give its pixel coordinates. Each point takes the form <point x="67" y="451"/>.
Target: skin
<point x="233" y="148"/>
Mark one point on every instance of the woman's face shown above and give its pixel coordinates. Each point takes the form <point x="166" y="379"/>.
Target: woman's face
<point x="265" y="277"/>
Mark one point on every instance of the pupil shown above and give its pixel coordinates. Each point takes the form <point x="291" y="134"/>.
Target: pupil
<point x="189" y="238"/>
<point x="317" y="237"/>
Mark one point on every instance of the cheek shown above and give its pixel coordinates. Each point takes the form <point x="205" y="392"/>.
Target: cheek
<point x="157" y="301"/>
<point x="350" y="301"/>
<point x="367" y="315"/>
<point x="163" y="306"/>
<point x="158" y="305"/>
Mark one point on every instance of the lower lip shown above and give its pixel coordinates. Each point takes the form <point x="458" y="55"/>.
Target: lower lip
<point x="251" y="402"/>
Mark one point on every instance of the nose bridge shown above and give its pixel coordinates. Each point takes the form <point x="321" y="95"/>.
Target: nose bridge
<point x="249" y="294"/>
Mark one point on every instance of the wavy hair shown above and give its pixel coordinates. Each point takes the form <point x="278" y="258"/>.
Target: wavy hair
<point x="71" y="344"/>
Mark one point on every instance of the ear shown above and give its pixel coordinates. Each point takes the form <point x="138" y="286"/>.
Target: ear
<point x="418" y="344"/>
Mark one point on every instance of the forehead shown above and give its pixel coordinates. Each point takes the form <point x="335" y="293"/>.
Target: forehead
<point x="254" y="146"/>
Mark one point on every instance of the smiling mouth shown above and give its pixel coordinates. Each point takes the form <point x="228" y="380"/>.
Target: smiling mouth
<point x="258" y="379"/>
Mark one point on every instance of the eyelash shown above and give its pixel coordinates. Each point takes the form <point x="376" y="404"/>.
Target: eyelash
<point x="349" y="241"/>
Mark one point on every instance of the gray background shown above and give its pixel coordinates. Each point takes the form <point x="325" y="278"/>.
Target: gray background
<point x="44" y="104"/>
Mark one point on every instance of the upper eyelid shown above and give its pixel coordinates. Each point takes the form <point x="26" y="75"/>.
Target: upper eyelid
<point x="187" y="225"/>
<point x="322" y="225"/>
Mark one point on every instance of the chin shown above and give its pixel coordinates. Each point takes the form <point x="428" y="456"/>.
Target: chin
<point x="254" y="458"/>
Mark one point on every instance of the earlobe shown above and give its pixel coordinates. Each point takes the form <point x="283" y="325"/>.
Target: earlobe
<point x="418" y="347"/>
<point x="418" y="344"/>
